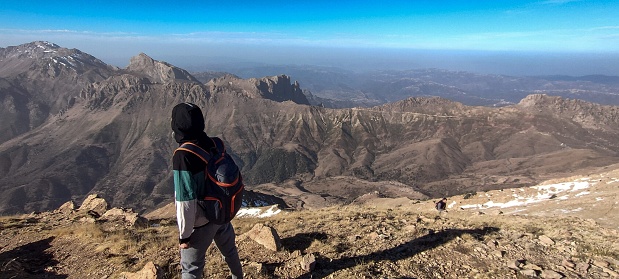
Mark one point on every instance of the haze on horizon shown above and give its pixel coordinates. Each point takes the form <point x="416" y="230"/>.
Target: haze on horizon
<point x="535" y="37"/>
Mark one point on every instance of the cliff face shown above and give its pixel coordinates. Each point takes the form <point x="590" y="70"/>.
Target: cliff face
<point x="275" y="88"/>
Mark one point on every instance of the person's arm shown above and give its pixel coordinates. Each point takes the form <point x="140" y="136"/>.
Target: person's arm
<point x="185" y="197"/>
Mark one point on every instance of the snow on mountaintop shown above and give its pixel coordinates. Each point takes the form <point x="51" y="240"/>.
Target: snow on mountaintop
<point x="48" y="57"/>
<point x="45" y="45"/>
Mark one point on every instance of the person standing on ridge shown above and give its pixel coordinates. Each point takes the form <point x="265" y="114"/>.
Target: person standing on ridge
<point x="196" y="233"/>
<point x="441" y="205"/>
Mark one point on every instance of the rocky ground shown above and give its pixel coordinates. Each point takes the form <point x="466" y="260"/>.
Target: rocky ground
<point x="561" y="229"/>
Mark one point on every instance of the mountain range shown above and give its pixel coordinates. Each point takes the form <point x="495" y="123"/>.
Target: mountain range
<point x="339" y="88"/>
<point x="73" y="125"/>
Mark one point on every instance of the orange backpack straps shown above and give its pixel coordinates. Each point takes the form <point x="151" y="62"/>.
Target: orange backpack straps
<point x="196" y="150"/>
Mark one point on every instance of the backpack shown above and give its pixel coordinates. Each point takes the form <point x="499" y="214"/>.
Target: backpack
<point x="224" y="183"/>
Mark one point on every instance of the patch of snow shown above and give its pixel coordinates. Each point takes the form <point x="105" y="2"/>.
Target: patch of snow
<point x="259" y="212"/>
<point x="571" y="210"/>
<point x="248" y="212"/>
<point x="68" y="60"/>
<point x="581" y="194"/>
<point x="613" y="180"/>
<point x="599" y="199"/>
<point x="544" y="193"/>
<point x="562" y="187"/>
<point x="451" y="204"/>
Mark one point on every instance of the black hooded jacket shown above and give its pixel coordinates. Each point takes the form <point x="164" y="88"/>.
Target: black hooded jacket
<point x="188" y="169"/>
<point x="188" y="125"/>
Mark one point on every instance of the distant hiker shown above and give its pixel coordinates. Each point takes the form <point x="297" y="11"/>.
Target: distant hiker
<point x="441" y="205"/>
<point x="196" y="232"/>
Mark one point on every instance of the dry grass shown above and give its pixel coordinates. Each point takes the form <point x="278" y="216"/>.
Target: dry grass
<point x="126" y="249"/>
<point x="347" y="241"/>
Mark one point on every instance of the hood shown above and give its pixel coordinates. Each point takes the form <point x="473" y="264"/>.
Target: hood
<point x="187" y="123"/>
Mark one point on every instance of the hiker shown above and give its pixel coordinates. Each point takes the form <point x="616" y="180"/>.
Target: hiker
<point x="196" y="232"/>
<point x="441" y="205"/>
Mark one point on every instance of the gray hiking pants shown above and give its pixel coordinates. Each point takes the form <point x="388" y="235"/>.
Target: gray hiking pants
<point x="193" y="258"/>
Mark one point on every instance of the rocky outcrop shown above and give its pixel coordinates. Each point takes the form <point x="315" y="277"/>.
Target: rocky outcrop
<point x="95" y="204"/>
<point x="279" y="88"/>
<point x="124" y="216"/>
<point x="157" y="71"/>
<point x="263" y="235"/>
<point x="276" y="88"/>
<point x="150" y="271"/>
<point x="94" y="209"/>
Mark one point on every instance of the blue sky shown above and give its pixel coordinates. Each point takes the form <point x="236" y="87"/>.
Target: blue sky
<point x="274" y="30"/>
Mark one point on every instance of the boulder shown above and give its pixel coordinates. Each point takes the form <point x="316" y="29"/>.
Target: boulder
<point x="150" y="271"/>
<point x="265" y="236"/>
<point x="582" y="267"/>
<point x="568" y="263"/>
<point x="514" y="264"/>
<point x="125" y="216"/>
<point x="549" y="274"/>
<point x="308" y="262"/>
<point x="532" y="266"/>
<point x="546" y="240"/>
<point x="66" y="208"/>
<point x="600" y="263"/>
<point x="95" y="204"/>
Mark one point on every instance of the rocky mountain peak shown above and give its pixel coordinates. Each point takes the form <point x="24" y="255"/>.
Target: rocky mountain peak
<point x="536" y="100"/>
<point x="157" y="71"/>
<point x="43" y="46"/>
<point x="560" y="105"/>
<point x="276" y="88"/>
<point x="35" y="48"/>
<point x="279" y="88"/>
<point x="432" y="105"/>
<point x="48" y="57"/>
